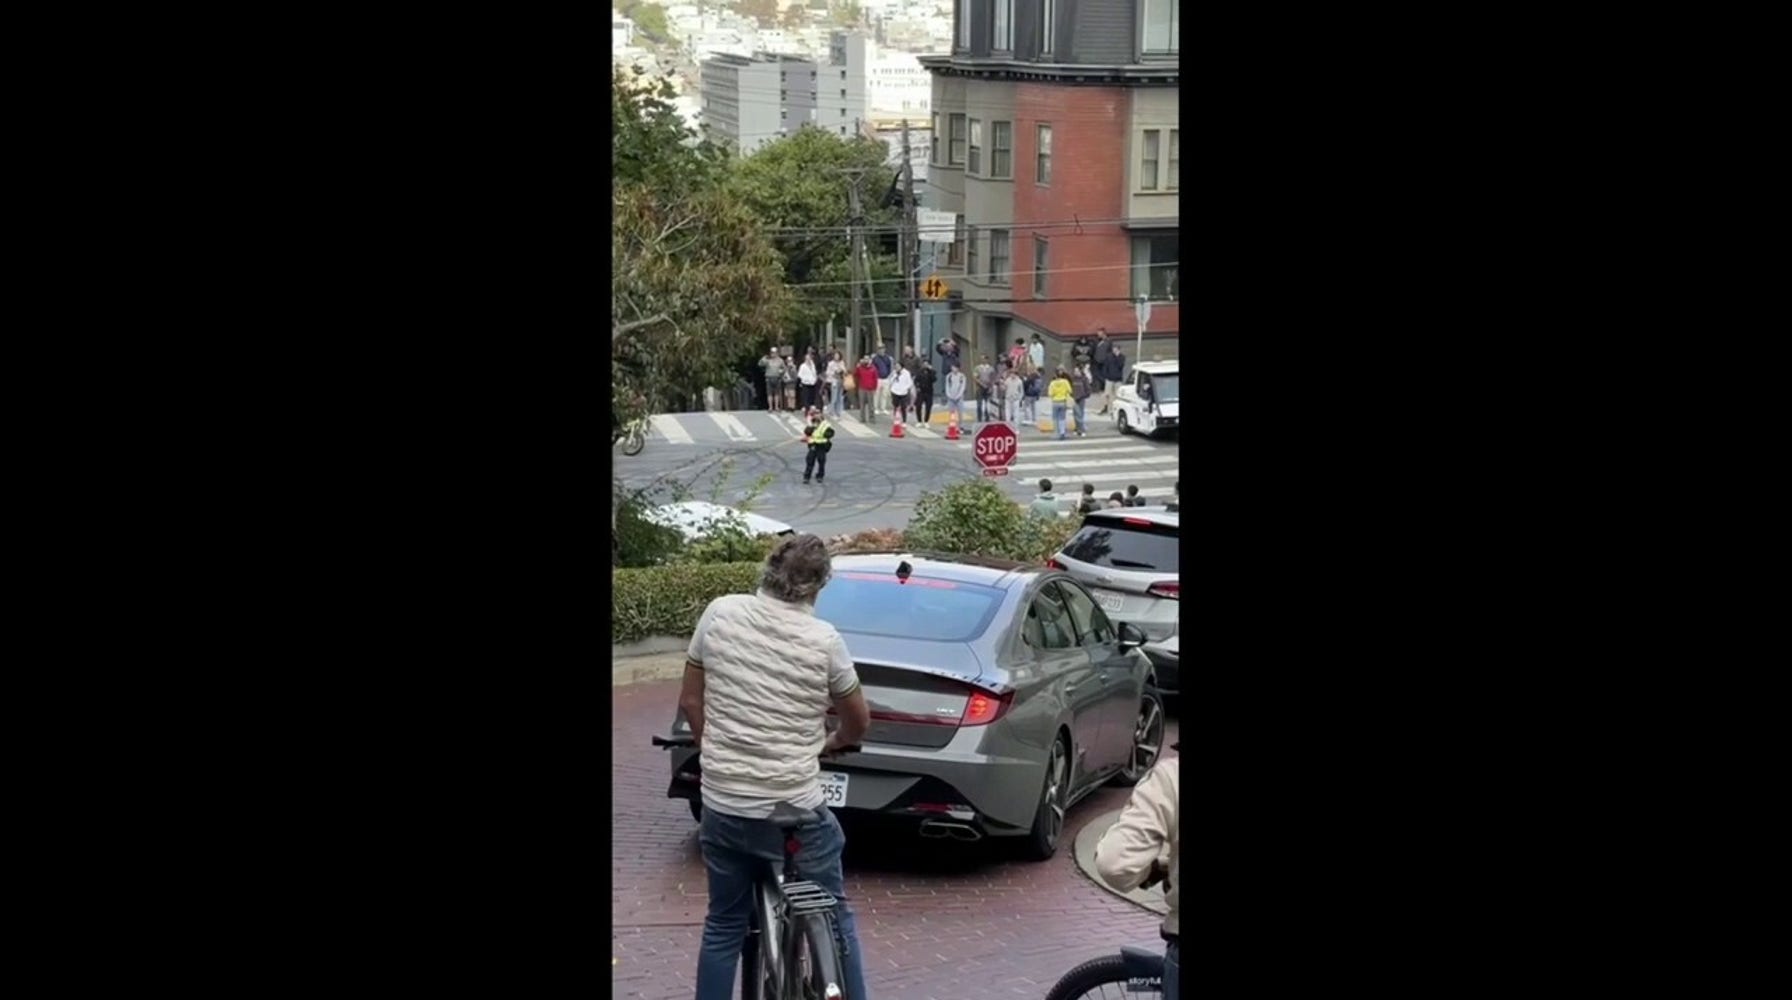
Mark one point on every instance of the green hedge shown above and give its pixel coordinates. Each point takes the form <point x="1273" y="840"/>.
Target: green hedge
<point x="668" y="600"/>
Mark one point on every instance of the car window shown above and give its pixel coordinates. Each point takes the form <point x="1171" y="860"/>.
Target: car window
<point x="1092" y="624"/>
<point x="922" y="608"/>
<point x="1126" y="543"/>
<point x="1166" y="387"/>
<point x="1048" y="624"/>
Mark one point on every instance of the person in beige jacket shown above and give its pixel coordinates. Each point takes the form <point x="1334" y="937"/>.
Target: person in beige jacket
<point x="1143" y="845"/>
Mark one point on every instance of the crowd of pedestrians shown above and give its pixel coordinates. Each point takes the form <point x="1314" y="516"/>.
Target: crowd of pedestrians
<point x="1047" y="503"/>
<point x="1016" y="387"/>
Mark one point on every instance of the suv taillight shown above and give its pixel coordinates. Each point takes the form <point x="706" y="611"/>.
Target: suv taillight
<point x="1171" y="590"/>
<point x="1053" y="563"/>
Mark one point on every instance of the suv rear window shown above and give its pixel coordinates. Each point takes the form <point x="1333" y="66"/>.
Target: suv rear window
<point x="922" y="608"/>
<point x="1121" y="544"/>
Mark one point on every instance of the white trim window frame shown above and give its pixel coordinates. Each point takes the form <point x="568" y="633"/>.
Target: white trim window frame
<point x="1000" y="264"/>
<point x="1048" y="26"/>
<point x="1160" y="23"/>
<point x="1042" y="154"/>
<point x="1151" y="152"/>
<point x="1002" y="37"/>
<point x="964" y="25"/>
<point x="955" y="140"/>
<point x="1001" y="150"/>
<point x="1042" y="251"/>
<point x="973" y="164"/>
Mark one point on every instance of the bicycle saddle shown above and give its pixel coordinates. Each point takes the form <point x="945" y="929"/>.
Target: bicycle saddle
<point x="1141" y="964"/>
<point x="789" y="817"/>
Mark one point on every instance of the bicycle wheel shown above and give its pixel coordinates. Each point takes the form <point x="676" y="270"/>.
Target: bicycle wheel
<point x="822" y="971"/>
<point x="634" y="441"/>
<point x="1105" y="978"/>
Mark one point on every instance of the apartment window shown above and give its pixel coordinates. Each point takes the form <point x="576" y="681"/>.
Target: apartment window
<point x="1174" y="174"/>
<point x="1041" y="253"/>
<point x="1160" y="24"/>
<point x="955" y="140"/>
<point x="1001" y="149"/>
<point x="1004" y="40"/>
<point x="964" y="25"/>
<point x="955" y="250"/>
<point x="1042" y="170"/>
<point x="998" y="256"/>
<point x="1048" y="21"/>
<point x="975" y="163"/>
<point x="970" y="251"/>
<point x="843" y="93"/>
<point x="1148" y="161"/>
<point x="933" y="141"/>
<point x="1154" y="265"/>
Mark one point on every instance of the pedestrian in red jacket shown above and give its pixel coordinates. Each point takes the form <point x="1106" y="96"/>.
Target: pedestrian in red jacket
<point x="864" y="378"/>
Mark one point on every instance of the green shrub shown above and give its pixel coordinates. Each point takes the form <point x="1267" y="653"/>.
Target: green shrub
<point x="874" y="540"/>
<point x="727" y="543"/>
<point x="976" y="517"/>
<point x="668" y="600"/>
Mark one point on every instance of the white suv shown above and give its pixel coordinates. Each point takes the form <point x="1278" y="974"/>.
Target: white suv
<point x="1148" y="401"/>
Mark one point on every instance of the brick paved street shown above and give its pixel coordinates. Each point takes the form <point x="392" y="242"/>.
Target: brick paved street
<point x="940" y="920"/>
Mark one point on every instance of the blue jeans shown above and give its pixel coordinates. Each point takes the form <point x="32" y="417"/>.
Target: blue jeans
<point x="1172" y="969"/>
<point x="1082" y="422"/>
<point x="1058" y="411"/>
<point x="837" y="399"/>
<point x="736" y="851"/>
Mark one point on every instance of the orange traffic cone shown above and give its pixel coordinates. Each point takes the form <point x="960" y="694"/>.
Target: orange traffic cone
<point x="896" y="424"/>
<point x="952" y="426"/>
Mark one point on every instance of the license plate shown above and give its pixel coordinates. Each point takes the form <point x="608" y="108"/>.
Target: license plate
<point x="833" y="789"/>
<point x="1110" y="601"/>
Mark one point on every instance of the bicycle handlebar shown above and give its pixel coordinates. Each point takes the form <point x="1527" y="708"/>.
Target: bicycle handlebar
<point x="686" y="741"/>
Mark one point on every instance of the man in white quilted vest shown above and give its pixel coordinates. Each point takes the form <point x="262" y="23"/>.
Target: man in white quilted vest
<point x="1144" y="846"/>
<point x="759" y="678"/>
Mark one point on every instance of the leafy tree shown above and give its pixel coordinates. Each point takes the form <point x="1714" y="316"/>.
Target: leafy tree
<point x="694" y="285"/>
<point x="796" y="183"/>
<point x="846" y="14"/>
<point x="650" y="20"/>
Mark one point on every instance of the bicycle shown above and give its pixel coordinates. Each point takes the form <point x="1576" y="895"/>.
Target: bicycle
<point x="1134" y="974"/>
<point x="793" y="946"/>
<point x="633" y="437"/>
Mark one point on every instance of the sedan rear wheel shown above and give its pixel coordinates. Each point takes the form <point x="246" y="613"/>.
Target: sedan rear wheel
<point x="1048" y="820"/>
<point x="1147" y="741"/>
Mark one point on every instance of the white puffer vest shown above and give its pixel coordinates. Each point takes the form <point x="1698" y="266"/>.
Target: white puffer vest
<point x="765" y="697"/>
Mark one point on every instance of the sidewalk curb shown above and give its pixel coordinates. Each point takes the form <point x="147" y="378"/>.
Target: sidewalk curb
<point x="1086" y="839"/>
<point x="656" y="658"/>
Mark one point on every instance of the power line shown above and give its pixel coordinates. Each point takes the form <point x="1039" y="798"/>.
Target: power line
<point x="1058" y="270"/>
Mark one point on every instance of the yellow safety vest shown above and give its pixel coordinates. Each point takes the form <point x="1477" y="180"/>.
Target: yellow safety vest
<point x="817" y="433"/>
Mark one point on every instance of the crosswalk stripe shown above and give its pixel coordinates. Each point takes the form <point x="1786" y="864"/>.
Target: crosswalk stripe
<point x="670" y="429"/>
<point x="856" y="428"/>
<point x="731" y="426"/>
<point x="791" y="423"/>
<point x="1069" y="480"/>
<point x="921" y="432"/>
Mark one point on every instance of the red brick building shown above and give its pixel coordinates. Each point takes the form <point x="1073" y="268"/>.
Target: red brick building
<point x="1057" y="143"/>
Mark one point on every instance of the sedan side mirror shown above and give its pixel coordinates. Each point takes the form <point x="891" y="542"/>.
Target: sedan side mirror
<point x="1131" y="636"/>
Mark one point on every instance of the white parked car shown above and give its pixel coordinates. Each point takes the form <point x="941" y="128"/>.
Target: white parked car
<point x="698" y="519"/>
<point x="1147" y="402"/>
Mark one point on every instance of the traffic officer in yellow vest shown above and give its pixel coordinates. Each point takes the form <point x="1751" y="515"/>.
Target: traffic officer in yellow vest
<point x="820" y="437"/>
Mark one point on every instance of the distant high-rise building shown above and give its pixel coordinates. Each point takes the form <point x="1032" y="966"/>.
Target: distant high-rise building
<point x="751" y="101"/>
<point x="840" y="92"/>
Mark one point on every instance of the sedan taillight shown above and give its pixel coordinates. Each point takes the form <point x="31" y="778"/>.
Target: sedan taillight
<point x="1171" y="590"/>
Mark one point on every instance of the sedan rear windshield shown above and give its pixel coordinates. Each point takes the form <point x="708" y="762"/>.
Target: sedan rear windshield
<point x="879" y="604"/>
<point x="1126" y="544"/>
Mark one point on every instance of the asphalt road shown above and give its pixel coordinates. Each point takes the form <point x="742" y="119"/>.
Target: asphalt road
<point x="874" y="480"/>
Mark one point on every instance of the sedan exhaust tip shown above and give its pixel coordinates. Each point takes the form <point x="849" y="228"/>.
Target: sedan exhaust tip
<point x="936" y="829"/>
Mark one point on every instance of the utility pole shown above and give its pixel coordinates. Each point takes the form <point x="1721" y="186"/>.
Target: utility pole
<point x="911" y="261"/>
<point x="856" y="176"/>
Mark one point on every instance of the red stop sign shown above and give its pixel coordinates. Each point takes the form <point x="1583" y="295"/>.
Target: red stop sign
<point x="995" y="446"/>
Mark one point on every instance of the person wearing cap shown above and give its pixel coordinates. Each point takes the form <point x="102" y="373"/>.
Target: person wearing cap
<point x="819" y="435"/>
<point x="1059" y="391"/>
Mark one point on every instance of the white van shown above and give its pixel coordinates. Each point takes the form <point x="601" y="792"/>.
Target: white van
<point x="1147" y="402"/>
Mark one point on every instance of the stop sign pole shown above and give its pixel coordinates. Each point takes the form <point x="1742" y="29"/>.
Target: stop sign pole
<point x="995" y="448"/>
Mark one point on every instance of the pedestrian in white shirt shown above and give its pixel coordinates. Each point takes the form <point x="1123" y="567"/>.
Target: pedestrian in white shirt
<point x="902" y="390"/>
<point x="806" y="379"/>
